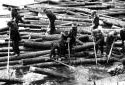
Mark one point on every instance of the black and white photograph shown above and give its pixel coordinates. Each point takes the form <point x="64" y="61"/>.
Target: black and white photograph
<point x="62" y="42"/>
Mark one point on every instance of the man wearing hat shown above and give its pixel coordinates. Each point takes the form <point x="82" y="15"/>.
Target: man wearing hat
<point x="72" y="36"/>
<point x="15" y="15"/>
<point x="99" y="40"/>
<point x="95" y="21"/>
<point x="60" y="45"/>
<point x="52" y="19"/>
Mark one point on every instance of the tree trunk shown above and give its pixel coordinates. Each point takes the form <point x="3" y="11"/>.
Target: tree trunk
<point x="47" y="72"/>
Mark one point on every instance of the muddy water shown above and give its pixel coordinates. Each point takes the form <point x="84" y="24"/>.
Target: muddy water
<point x="81" y="75"/>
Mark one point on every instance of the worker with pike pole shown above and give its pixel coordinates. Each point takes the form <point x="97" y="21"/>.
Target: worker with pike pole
<point x="99" y="40"/>
<point x="14" y="36"/>
<point x="66" y="43"/>
<point x="52" y="17"/>
<point x="60" y="45"/>
<point x="15" y="15"/>
<point x="71" y="40"/>
<point x="111" y="38"/>
<point x="122" y="35"/>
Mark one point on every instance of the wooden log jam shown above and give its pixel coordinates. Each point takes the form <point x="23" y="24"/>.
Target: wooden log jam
<point x="24" y="56"/>
<point x="73" y="62"/>
<point x="105" y="18"/>
<point x="48" y="72"/>
<point x="45" y="58"/>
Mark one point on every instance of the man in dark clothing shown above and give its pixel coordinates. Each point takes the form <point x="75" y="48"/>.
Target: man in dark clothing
<point x="52" y="19"/>
<point x="99" y="40"/>
<point x="111" y="37"/>
<point x="14" y="36"/>
<point x="72" y="37"/>
<point x="15" y="15"/>
<point x="122" y="35"/>
<point x="95" y="20"/>
<point x="60" y="45"/>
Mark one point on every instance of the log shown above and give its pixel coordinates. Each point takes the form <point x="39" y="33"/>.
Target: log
<point x="48" y="72"/>
<point x="7" y="5"/>
<point x="115" y="13"/>
<point x="97" y="7"/>
<point x="11" y="80"/>
<point x="5" y="49"/>
<point x="24" y="56"/>
<point x="47" y="45"/>
<point x="54" y="37"/>
<point x="105" y="18"/>
<point x="4" y="29"/>
<point x="73" y="62"/>
<point x="45" y="58"/>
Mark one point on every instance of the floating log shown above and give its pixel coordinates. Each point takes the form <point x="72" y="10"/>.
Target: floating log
<point x="47" y="72"/>
<point x="11" y="80"/>
<point x="73" y="62"/>
<point x="105" y="18"/>
<point x="97" y="7"/>
<point x="45" y="58"/>
<point x="5" y="53"/>
<point x="26" y="55"/>
<point x="47" y="45"/>
<point x="115" y="13"/>
<point x="7" y="5"/>
<point x="4" y="29"/>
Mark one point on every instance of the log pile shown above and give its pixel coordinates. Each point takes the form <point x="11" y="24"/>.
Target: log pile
<point x="35" y="45"/>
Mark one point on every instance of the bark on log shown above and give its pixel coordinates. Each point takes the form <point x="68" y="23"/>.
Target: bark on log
<point x="24" y="56"/>
<point x="47" y="45"/>
<point x="95" y="7"/>
<point x="12" y="6"/>
<point x="105" y="18"/>
<point x="73" y="62"/>
<point x="47" y="72"/>
<point x="45" y="58"/>
<point x="4" y="29"/>
<point x="11" y="80"/>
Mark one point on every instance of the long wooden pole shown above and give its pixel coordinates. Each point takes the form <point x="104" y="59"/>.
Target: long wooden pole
<point x="8" y="54"/>
<point x="110" y="52"/>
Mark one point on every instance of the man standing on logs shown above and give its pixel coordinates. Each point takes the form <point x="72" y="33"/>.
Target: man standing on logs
<point x="95" y="21"/>
<point x="72" y="37"/>
<point x="60" y="45"/>
<point x="14" y="36"/>
<point x="15" y="15"/>
<point x="111" y="38"/>
<point x="52" y="19"/>
<point x="99" y="40"/>
<point x="122" y="35"/>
